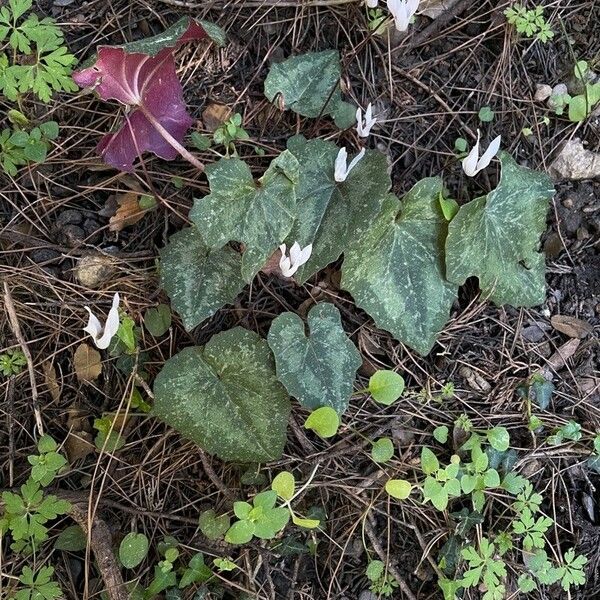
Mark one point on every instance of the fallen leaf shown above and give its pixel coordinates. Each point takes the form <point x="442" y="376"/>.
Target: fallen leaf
<point x="475" y="380"/>
<point x="129" y="210"/>
<point x="78" y="445"/>
<point x="559" y="359"/>
<point x="51" y="381"/>
<point x="571" y="326"/>
<point x="215" y="115"/>
<point x="434" y="8"/>
<point x="87" y="363"/>
<point x="575" y="162"/>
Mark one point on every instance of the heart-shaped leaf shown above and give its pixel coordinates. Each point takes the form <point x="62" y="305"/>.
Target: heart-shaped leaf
<point x="199" y="281"/>
<point x="396" y="270"/>
<point x="386" y="386"/>
<point x="133" y="549"/>
<point x="225" y="397"/>
<point x="496" y="237"/>
<point x="142" y="76"/>
<point x="324" y="422"/>
<point x="331" y="214"/>
<point x="309" y="84"/>
<point x="318" y="369"/>
<point x="238" y="209"/>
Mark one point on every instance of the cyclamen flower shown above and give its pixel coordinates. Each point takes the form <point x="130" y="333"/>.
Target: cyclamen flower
<point x="103" y="335"/>
<point x="364" y="126"/>
<point x="298" y="256"/>
<point x="372" y="3"/>
<point x="472" y="164"/>
<point x="341" y="170"/>
<point x="402" y="11"/>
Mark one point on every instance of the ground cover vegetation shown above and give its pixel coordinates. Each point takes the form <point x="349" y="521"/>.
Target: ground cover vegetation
<point x="296" y="303"/>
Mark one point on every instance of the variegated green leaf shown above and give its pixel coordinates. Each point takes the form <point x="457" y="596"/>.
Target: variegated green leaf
<point x="199" y="281"/>
<point x="332" y="214"/>
<point x="395" y="271"/>
<point x="225" y="397"/>
<point x="309" y="84"/>
<point x="318" y="369"/>
<point x="496" y="238"/>
<point x="238" y="209"/>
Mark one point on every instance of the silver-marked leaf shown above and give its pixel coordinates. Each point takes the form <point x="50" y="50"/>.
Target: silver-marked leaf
<point x="395" y="272"/>
<point x="309" y="84"/>
<point x="238" y="209"/>
<point x="496" y="237"/>
<point x="332" y="214"/>
<point x="318" y="369"/>
<point x="225" y="397"/>
<point x="198" y="280"/>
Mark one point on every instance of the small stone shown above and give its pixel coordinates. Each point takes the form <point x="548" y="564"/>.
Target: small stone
<point x="542" y="92"/>
<point x="94" y="270"/>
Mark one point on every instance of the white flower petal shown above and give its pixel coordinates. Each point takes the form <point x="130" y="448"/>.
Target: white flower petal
<point x="411" y="7"/>
<point x="372" y="3"/>
<point x="305" y="255"/>
<point x="340" y="166"/>
<point x="112" y="325"/>
<point x="295" y="252"/>
<point x="469" y="163"/>
<point x="94" y="327"/>
<point x="355" y="161"/>
<point x="492" y="150"/>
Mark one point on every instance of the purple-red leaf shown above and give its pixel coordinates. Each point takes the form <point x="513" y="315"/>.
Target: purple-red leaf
<point x="142" y="76"/>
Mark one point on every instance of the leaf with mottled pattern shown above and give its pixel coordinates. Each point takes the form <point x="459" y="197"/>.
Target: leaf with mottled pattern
<point x="395" y="271"/>
<point x="238" y="209"/>
<point x="225" y="397"/>
<point x="331" y="214"/>
<point x="496" y="237"/>
<point x="318" y="369"/>
<point x="199" y="280"/>
<point x="309" y="84"/>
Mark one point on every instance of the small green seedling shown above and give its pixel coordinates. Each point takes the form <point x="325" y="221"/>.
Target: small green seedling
<point x="324" y="422"/>
<point x="386" y="387"/>
<point x="230" y="132"/>
<point x="37" y="585"/>
<point x="12" y="362"/>
<point x="382" y="582"/>
<point x="531" y="23"/>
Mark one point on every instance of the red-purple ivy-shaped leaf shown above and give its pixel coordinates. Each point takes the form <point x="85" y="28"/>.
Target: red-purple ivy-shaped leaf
<point x="141" y="75"/>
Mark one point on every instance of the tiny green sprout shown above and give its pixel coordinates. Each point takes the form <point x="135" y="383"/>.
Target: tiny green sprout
<point x="398" y="488"/>
<point x="197" y="571"/>
<point x="484" y="568"/>
<point x="12" y="362"/>
<point x="108" y="437"/>
<point x="230" y="132"/>
<point x="261" y="519"/>
<point x="47" y="465"/>
<point x="38" y="585"/>
<point x="224" y="564"/>
<point x="382" y="450"/>
<point x="461" y="145"/>
<point x="531" y="23"/>
<point x="376" y="21"/>
<point x="449" y="207"/>
<point x="324" y="422"/>
<point x="441" y="483"/>
<point x="386" y="387"/>
<point x="441" y="434"/>
<point x="284" y="485"/>
<point x="570" y="431"/>
<point x="382" y="583"/>
<point x="486" y="114"/>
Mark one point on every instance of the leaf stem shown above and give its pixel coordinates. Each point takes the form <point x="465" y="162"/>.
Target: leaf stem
<point x="170" y="139"/>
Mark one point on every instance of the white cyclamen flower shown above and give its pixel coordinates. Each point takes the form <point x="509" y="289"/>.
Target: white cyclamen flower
<point x="364" y="126"/>
<point x="298" y="256"/>
<point x="341" y="170"/>
<point x="103" y="335"/>
<point x="372" y="3"/>
<point x="402" y="11"/>
<point x="472" y="164"/>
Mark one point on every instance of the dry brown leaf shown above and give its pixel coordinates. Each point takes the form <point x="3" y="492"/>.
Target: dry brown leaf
<point x="128" y="211"/>
<point x="434" y="8"/>
<point x="559" y="359"/>
<point x="215" y="115"/>
<point x="78" y="445"/>
<point x="87" y="363"/>
<point x="574" y="328"/>
<point x="51" y="381"/>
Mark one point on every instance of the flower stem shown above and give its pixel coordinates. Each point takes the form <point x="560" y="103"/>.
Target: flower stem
<point x="171" y="140"/>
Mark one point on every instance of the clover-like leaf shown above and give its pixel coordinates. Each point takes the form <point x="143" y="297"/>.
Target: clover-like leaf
<point x="141" y="75"/>
<point x="225" y="397"/>
<point x="238" y="209"/>
<point x="331" y="214"/>
<point x="496" y="237"/>
<point x="309" y="84"/>
<point x="199" y="280"/>
<point x="396" y="270"/>
<point x="319" y="368"/>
